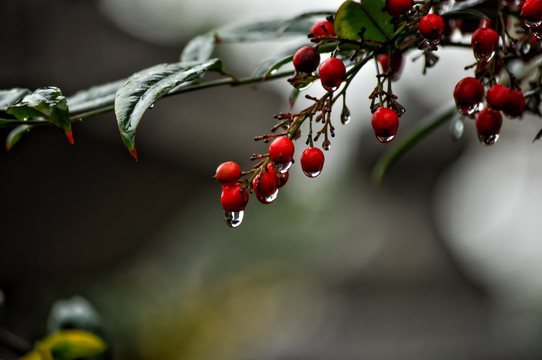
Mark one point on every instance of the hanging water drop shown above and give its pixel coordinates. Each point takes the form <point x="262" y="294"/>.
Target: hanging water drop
<point x="385" y="139"/>
<point x="467" y="110"/>
<point x="345" y="115"/>
<point x="456" y="128"/>
<point x="488" y="139"/>
<point x="268" y="199"/>
<point x="282" y="167"/>
<point x="312" y="174"/>
<point x="151" y="106"/>
<point x="233" y="218"/>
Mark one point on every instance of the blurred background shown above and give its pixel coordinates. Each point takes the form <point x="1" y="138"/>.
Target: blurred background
<point x="441" y="261"/>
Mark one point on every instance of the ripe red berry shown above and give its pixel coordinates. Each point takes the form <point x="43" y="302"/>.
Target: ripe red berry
<point x="497" y="96"/>
<point x="312" y="161"/>
<point x="228" y="173"/>
<point x="531" y="11"/>
<point x="515" y="105"/>
<point x="431" y="27"/>
<point x="395" y="62"/>
<point x="385" y="123"/>
<point x="234" y="197"/>
<point x="397" y="7"/>
<point x="468" y="93"/>
<point x="322" y="28"/>
<point x="484" y="41"/>
<point x="281" y="153"/>
<point x="488" y="125"/>
<point x="332" y="73"/>
<point x="265" y="185"/>
<point x="306" y="59"/>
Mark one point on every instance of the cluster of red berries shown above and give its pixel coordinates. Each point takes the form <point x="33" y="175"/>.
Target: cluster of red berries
<point x="483" y="96"/>
<point x="266" y="180"/>
<point x="469" y="93"/>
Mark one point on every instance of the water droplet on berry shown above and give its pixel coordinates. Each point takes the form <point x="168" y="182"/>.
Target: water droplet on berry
<point x="385" y="139"/>
<point x="467" y="110"/>
<point x="488" y="139"/>
<point x="345" y="116"/>
<point x="233" y="218"/>
<point x="533" y="25"/>
<point x="456" y="128"/>
<point x="282" y="167"/>
<point x="312" y="174"/>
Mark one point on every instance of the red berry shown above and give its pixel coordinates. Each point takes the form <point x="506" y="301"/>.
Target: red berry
<point x="322" y="28"/>
<point x="282" y="178"/>
<point x="488" y="125"/>
<point x="497" y="96"/>
<point x="395" y="62"/>
<point x="484" y="41"/>
<point x="265" y="185"/>
<point x="306" y="59"/>
<point x="281" y="153"/>
<point x="532" y="11"/>
<point x="515" y="105"/>
<point x="332" y="73"/>
<point x="234" y="197"/>
<point x="228" y="173"/>
<point x="431" y="27"/>
<point x="312" y="161"/>
<point x="468" y="93"/>
<point x="397" y="7"/>
<point x="385" y="123"/>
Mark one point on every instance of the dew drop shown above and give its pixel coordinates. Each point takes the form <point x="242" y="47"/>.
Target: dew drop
<point x="533" y="25"/>
<point x="282" y="167"/>
<point x="233" y="218"/>
<point x="25" y="119"/>
<point x="385" y="139"/>
<point x="488" y="139"/>
<point x="346" y="116"/>
<point x="304" y="86"/>
<point x="467" y="110"/>
<point x="151" y="106"/>
<point x="312" y="174"/>
<point x="456" y="128"/>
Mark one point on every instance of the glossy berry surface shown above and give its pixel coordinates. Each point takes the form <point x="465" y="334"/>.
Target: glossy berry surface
<point x="265" y="185"/>
<point x="228" y="173"/>
<point x="281" y="150"/>
<point x="312" y="161"/>
<point x="515" y="105"/>
<point x="484" y="42"/>
<point x="397" y="7"/>
<point x="332" y="73"/>
<point x="234" y="197"/>
<point x="385" y="123"/>
<point x="322" y="28"/>
<point x="532" y="10"/>
<point x="497" y="96"/>
<point x="488" y="125"/>
<point x="468" y="93"/>
<point x="431" y="26"/>
<point x="306" y="59"/>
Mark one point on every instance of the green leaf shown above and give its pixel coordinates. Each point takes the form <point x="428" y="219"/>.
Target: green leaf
<point x="16" y="134"/>
<point x="275" y="62"/>
<point x="432" y="122"/>
<point x="367" y="18"/>
<point x="201" y="47"/>
<point x="47" y="103"/>
<point x="143" y="88"/>
<point x="95" y="97"/>
<point x="11" y="96"/>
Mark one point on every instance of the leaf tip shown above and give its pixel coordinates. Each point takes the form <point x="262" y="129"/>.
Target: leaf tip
<point x="133" y="152"/>
<point x="69" y="135"/>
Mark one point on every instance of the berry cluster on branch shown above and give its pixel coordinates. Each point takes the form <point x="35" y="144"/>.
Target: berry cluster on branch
<point x="501" y="33"/>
